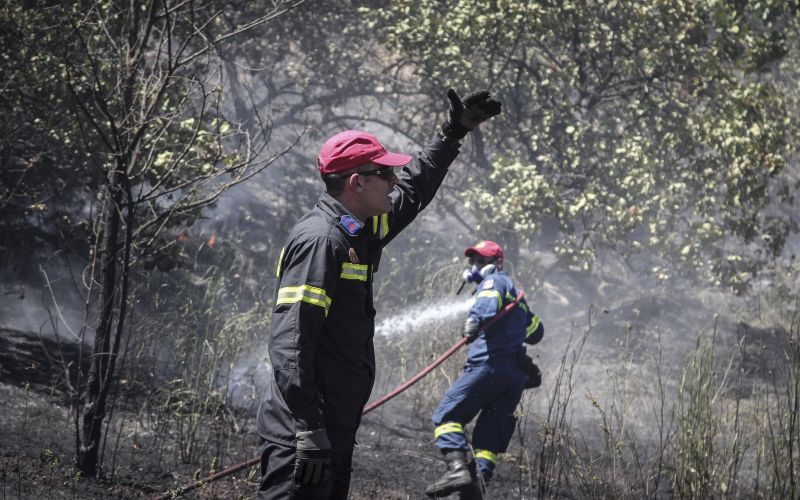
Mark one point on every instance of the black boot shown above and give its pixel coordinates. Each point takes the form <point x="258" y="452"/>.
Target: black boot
<point x="456" y="478"/>
<point x="475" y="489"/>
<point x="470" y="492"/>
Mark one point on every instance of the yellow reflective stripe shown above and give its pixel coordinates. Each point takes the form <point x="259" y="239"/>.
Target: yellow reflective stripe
<point x="492" y="293"/>
<point x="357" y="272"/>
<point x="380" y="225"/>
<point x="448" y="427"/>
<point x="535" y="322"/>
<point x="384" y="225"/>
<point x="486" y="455"/>
<point x="306" y="293"/>
<point x="280" y="261"/>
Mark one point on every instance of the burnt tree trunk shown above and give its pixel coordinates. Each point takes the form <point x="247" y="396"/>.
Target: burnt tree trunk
<point x="93" y="399"/>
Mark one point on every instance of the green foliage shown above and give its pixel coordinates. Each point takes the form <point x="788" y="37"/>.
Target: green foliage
<point x="125" y="98"/>
<point x="97" y="87"/>
<point x="657" y="128"/>
<point x="41" y="189"/>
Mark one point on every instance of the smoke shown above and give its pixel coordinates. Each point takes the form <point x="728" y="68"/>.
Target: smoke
<point x="625" y="341"/>
<point x="50" y="306"/>
<point x="248" y="379"/>
<point x="251" y="371"/>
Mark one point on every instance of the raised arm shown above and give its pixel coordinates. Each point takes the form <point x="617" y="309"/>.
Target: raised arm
<point x="420" y="179"/>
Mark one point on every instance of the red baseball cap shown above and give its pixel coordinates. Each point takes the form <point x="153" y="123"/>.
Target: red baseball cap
<point x="351" y="148"/>
<point x="486" y="248"/>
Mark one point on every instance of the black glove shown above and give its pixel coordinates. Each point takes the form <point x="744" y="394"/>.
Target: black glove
<point x="531" y="370"/>
<point x="467" y="114"/>
<point x="313" y="464"/>
<point x="471" y="329"/>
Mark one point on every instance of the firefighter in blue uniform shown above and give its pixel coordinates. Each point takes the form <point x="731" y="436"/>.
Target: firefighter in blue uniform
<point x="321" y="334"/>
<point x="494" y="377"/>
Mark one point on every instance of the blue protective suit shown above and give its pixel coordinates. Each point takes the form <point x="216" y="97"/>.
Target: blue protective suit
<point x="492" y="382"/>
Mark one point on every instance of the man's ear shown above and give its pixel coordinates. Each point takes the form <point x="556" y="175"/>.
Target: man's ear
<point x="356" y="183"/>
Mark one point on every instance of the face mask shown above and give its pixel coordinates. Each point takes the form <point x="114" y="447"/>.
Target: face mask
<point x="472" y="275"/>
<point x="476" y="275"/>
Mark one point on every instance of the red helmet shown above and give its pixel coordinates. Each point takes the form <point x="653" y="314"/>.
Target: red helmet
<point x="488" y="249"/>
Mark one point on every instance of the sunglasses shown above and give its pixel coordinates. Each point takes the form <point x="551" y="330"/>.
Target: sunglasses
<point x="386" y="174"/>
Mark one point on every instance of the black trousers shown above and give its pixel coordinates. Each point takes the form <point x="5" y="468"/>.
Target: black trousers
<point x="277" y="475"/>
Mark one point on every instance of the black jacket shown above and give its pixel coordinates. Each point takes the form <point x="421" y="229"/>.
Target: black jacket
<point x="320" y="338"/>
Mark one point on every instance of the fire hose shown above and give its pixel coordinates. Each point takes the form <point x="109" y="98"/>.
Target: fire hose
<point x="405" y="385"/>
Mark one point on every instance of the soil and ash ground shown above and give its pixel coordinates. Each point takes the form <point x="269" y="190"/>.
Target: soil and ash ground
<point x="395" y="457"/>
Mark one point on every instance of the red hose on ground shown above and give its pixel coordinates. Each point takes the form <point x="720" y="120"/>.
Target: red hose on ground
<point x="405" y="385"/>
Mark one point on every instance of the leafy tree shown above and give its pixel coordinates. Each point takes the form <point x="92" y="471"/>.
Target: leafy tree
<point x="649" y="128"/>
<point x="122" y="101"/>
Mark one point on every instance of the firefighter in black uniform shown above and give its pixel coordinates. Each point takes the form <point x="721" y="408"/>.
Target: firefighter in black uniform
<point x="320" y="338"/>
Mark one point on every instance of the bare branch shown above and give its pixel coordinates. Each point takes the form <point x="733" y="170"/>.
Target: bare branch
<point x="240" y="30"/>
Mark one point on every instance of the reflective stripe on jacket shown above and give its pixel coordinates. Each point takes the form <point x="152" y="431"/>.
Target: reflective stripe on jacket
<point x="507" y="335"/>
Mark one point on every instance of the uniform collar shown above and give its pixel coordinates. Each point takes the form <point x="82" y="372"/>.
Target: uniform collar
<point x="347" y="221"/>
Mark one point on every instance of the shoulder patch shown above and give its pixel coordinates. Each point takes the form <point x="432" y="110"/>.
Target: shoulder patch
<point x="487" y="284"/>
<point x="350" y="224"/>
